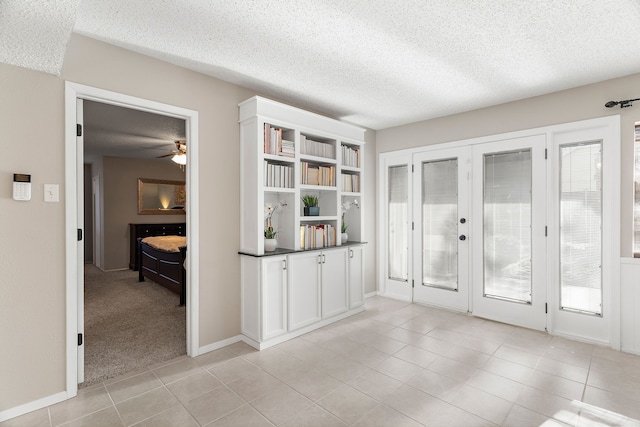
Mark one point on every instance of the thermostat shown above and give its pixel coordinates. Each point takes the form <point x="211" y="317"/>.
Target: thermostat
<point x="21" y="187"/>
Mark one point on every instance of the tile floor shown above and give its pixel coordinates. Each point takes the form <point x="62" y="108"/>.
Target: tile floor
<point x="396" y="364"/>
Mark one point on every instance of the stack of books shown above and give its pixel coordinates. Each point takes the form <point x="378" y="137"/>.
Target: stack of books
<point x="312" y="174"/>
<point x="317" y="148"/>
<point x="288" y="148"/>
<point x="351" y="183"/>
<point x="317" y="236"/>
<point x="275" y="175"/>
<point x="350" y="156"/>
<point x="274" y="144"/>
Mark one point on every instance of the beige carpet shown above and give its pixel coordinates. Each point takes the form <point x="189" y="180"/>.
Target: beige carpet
<point x="128" y="324"/>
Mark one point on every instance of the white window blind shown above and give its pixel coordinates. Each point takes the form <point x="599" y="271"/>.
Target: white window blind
<point x="398" y="223"/>
<point x="440" y="223"/>
<point x="581" y="227"/>
<point x="507" y="226"/>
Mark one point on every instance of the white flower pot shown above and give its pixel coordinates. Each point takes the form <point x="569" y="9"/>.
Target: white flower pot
<point x="344" y="237"/>
<point x="270" y="245"/>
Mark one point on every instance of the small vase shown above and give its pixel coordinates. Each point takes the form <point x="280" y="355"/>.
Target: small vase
<point x="344" y="237"/>
<point x="311" y="211"/>
<point x="270" y="245"/>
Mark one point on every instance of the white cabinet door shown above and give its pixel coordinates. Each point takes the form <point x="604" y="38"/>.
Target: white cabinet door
<point x="334" y="282"/>
<point x="274" y="296"/>
<point x="356" y="276"/>
<point x="304" y="289"/>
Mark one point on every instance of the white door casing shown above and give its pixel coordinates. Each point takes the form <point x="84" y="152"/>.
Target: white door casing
<point x="73" y="215"/>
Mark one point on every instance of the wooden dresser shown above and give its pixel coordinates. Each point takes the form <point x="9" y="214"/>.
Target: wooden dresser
<point x="146" y="230"/>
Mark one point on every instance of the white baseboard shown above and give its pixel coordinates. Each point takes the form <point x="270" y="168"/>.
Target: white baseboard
<point x="219" y="344"/>
<point x="296" y="333"/>
<point x="25" y="408"/>
<point x="371" y="294"/>
<point x="398" y="297"/>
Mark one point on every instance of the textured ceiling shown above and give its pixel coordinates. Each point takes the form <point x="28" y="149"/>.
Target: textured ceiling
<point x="376" y="63"/>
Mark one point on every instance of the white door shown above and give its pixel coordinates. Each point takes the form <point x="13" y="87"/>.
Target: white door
<point x="356" y="276"/>
<point x="334" y="282"/>
<point x="304" y="297"/>
<point x="508" y="240"/>
<point x="441" y="226"/>
<point x="81" y="231"/>
<point x="274" y="300"/>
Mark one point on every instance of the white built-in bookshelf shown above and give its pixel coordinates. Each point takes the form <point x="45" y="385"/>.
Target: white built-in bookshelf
<point x="312" y="278"/>
<point x="286" y="154"/>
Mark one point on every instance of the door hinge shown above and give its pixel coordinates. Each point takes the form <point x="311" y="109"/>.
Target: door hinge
<point x="78" y="129"/>
<point x="413" y="285"/>
<point x="412" y="224"/>
<point x="79" y="339"/>
<point x="545" y="154"/>
<point x="412" y="168"/>
<point x="545" y="308"/>
<point x="545" y="231"/>
<point x="79" y="234"/>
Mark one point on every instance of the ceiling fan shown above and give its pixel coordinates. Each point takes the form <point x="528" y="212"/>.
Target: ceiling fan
<point x="179" y="155"/>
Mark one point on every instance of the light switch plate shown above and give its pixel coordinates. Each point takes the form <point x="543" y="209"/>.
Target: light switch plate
<point x="51" y="193"/>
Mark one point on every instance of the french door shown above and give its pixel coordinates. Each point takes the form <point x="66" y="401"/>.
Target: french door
<point x="508" y="243"/>
<point x="441" y="226"/>
<point x="520" y="228"/>
<point x="479" y="237"/>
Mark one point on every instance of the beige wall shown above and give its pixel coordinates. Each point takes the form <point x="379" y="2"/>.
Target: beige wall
<point x="32" y="300"/>
<point x="120" y="178"/>
<point x="32" y="245"/>
<point x="585" y="102"/>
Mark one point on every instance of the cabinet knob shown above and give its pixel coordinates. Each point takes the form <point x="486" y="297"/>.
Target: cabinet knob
<point x="284" y="264"/>
<point x="463" y="237"/>
<point x="350" y="253"/>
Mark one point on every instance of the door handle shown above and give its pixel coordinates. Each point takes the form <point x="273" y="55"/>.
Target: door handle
<point x="463" y="237"/>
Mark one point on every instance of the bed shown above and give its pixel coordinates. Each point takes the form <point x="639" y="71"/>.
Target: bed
<point x="162" y="261"/>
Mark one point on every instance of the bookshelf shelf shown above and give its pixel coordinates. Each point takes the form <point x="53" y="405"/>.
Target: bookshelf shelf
<point x="318" y="160"/>
<point x="279" y="159"/>
<point x="279" y="190"/>
<point x="318" y="218"/>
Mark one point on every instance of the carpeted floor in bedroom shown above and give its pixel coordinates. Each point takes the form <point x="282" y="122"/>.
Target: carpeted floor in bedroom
<point x="129" y="325"/>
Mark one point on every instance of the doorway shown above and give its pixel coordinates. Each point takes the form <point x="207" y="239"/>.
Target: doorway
<point x="128" y="324"/>
<point x="74" y="213"/>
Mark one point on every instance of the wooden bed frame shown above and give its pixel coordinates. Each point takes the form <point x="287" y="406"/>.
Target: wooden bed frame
<point x="164" y="268"/>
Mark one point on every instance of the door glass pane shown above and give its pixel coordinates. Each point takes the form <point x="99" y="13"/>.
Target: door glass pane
<point x="398" y="223"/>
<point x="507" y="226"/>
<point x="580" y="227"/>
<point x="440" y="224"/>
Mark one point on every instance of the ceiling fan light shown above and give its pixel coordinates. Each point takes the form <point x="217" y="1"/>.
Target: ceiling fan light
<point x="180" y="159"/>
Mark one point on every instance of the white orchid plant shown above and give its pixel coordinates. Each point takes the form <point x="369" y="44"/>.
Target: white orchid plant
<point x="269" y="211"/>
<point x="345" y="207"/>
